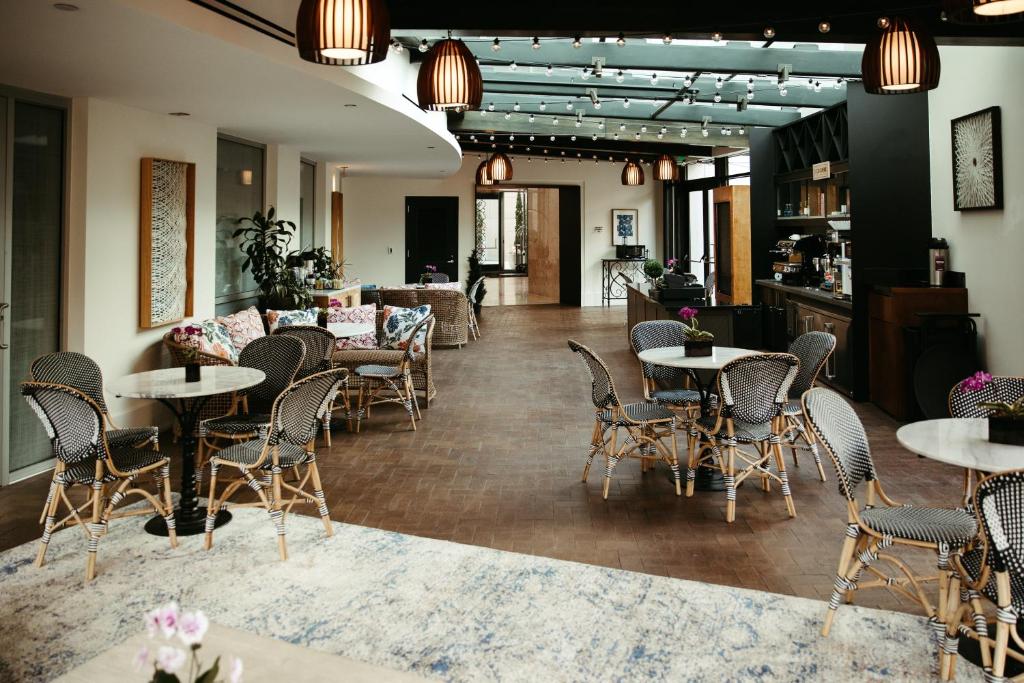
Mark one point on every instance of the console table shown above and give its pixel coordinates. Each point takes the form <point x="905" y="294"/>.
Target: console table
<point x="617" y="274"/>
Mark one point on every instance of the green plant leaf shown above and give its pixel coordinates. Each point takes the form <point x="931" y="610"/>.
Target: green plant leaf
<point x="210" y="675"/>
<point x="164" y="677"/>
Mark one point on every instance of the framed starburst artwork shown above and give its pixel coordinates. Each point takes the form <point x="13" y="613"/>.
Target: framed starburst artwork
<point x="977" y="161"/>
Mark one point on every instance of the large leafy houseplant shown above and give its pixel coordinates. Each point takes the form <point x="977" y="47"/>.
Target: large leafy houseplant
<point x="264" y="243"/>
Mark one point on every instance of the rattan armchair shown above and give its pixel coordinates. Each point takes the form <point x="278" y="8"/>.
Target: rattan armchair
<point x="449" y="307"/>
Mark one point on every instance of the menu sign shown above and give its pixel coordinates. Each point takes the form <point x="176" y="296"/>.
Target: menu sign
<point x="821" y="171"/>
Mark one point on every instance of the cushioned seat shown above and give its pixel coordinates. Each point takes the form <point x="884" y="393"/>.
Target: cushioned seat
<point x="126" y="460"/>
<point x="792" y="407"/>
<point x="248" y="453"/>
<point x="639" y="412"/>
<point x="131" y="436"/>
<point x="378" y="371"/>
<point x="676" y="396"/>
<point x="243" y="423"/>
<point x="931" y="525"/>
<point x="743" y="431"/>
<point x="971" y="562"/>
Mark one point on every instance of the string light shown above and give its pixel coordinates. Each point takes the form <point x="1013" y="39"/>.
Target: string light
<point x="423" y="46"/>
<point x="742" y="131"/>
<point x="769" y="32"/>
<point x="654" y="79"/>
<point x="543" y="105"/>
<point x="716" y="36"/>
<point x="397" y="46"/>
<point x="536" y="43"/>
<point x="643" y="129"/>
<point x="667" y="39"/>
<point x="682" y="132"/>
<point x="548" y="71"/>
<point x="532" y="118"/>
<point x="622" y="126"/>
<point x="824" y="26"/>
<point x="719" y="82"/>
<point x="597" y="104"/>
<point x="783" y="91"/>
<point x="490" y="106"/>
<point x="516" y="107"/>
<point x="687" y="81"/>
<point x="513" y="66"/>
<point x="817" y="86"/>
<point x="483" y="112"/>
<point x="532" y="138"/>
<point x="619" y="77"/>
<point x="621" y="40"/>
<point x="717" y="97"/>
<point x="636" y="136"/>
<point x="554" y="121"/>
<point x="625" y="103"/>
<point x="577" y="43"/>
<point x="573" y="138"/>
<point x="507" y="116"/>
<point x="496" y="45"/>
<point x="568" y="106"/>
<point x="750" y="94"/>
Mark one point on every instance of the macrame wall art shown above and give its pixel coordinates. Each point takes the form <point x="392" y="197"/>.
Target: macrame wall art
<point x="166" y="237"/>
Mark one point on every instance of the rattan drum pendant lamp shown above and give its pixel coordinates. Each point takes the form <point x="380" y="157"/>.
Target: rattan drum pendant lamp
<point x="665" y="168"/>
<point x="343" y="32"/>
<point x="449" y="78"/>
<point x="499" y="168"/>
<point x="632" y="174"/>
<point x="482" y="177"/>
<point x="901" y="59"/>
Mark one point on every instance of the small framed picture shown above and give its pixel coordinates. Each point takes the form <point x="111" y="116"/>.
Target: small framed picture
<point x="977" y="161"/>
<point x="625" y="228"/>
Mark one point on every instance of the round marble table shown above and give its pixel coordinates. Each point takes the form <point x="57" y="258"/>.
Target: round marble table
<point x="675" y="357"/>
<point x="962" y="442"/>
<point x="344" y="330"/>
<point x="186" y="400"/>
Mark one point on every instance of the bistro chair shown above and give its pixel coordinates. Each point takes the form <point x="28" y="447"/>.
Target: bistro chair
<point x="76" y="425"/>
<point x="436" y="278"/>
<point x="993" y="569"/>
<point x="753" y="390"/>
<point x="646" y="424"/>
<point x="279" y="357"/>
<point x="664" y="385"/>
<point x="379" y="384"/>
<point x="870" y="530"/>
<point x="76" y="370"/>
<point x="813" y="349"/>
<point x="320" y="345"/>
<point x="294" y="418"/>
<point x="966" y="404"/>
<point x="474" y="325"/>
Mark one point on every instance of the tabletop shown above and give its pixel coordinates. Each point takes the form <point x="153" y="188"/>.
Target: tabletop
<point x="961" y="442"/>
<point x="170" y="382"/>
<point x="674" y="357"/>
<point x="342" y="330"/>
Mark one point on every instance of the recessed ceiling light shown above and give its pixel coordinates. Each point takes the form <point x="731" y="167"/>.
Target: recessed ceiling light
<point x="179" y="113"/>
<point x="65" y="7"/>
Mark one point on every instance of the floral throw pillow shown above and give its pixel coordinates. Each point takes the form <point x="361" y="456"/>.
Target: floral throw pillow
<point x="208" y="336"/>
<point x="276" y="319"/>
<point x="243" y="327"/>
<point x="398" y="325"/>
<point x="367" y="313"/>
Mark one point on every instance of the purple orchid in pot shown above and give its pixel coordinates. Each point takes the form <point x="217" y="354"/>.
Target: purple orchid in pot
<point x="696" y="342"/>
<point x="1005" y="418"/>
<point x="428" y="274"/>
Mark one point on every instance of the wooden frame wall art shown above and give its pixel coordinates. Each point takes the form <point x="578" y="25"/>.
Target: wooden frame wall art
<point x="167" y="208"/>
<point x="977" y="161"/>
<point x="625" y="225"/>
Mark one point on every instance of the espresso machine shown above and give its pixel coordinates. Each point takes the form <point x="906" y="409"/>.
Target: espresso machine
<point x="797" y="260"/>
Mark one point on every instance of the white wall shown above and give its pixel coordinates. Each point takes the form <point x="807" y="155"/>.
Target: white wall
<point x="108" y="140"/>
<point x="375" y="220"/>
<point x="282" y="182"/>
<point x="987" y="245"/>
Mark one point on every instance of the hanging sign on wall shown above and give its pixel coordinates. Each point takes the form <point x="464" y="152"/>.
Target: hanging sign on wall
<point x="821" y="171"/>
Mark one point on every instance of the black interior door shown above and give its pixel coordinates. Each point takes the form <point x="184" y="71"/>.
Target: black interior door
<point x="569" y="245"/>
<point x="431" y="236"/>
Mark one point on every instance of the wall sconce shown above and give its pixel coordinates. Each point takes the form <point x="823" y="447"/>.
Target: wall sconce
<point x="247" y="176"/>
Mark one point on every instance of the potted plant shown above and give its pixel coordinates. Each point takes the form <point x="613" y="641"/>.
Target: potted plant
<point x="475" y="272"/>
<point x="184" y="336"/>
<point x="428" y="270"/>
<point x="653" y="270"/>
<point x="696" y="342"/>
<point x="264" y="241"/>
<point x="1005" y="418"/>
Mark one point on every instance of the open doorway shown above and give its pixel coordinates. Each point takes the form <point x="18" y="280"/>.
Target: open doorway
<point x="518" y="230"/>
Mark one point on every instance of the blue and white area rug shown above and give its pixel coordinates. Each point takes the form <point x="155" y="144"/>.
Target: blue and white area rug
<point x="438" y="609"/>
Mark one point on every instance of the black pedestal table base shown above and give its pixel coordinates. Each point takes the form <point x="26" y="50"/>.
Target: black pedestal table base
<point x="191" y="526"/>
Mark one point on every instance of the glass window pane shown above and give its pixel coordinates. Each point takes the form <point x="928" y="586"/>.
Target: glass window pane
<point x="239" y="193"/>
<point x="697" y="250"/>
<point x="739" y="164"/>
<point x="37" y="211"/>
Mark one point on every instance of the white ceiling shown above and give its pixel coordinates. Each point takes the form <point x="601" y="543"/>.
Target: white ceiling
<point x="168" y="56"/>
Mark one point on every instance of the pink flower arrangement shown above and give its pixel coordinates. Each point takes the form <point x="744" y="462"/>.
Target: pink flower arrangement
<point x="671" y="263"/>
<point x="187" y="331"/>
<point x="693" y="331"/>
<point x="976" y="382"/>
<point x="430" y="269"/>
<point x="687" y="313"/>
<point x="189" y="628"/>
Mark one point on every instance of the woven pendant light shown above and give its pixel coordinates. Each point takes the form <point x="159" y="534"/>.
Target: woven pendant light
<point x="499" y="168"/>
<point x="343" y="32"/>
<point x="482" y="177"/>
<point x="449" y="78"/>
<point x="665" y="168"/>
<point x="632" y="174"/>
<point x="901" y="59"/>
<point x="984" y="11"/>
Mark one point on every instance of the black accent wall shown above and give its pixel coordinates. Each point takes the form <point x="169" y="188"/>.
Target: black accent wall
<point x="763" y="233"/>
<point x="569" y="245"/>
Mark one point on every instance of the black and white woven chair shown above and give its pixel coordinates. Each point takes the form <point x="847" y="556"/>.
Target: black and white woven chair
<point x="295" y="417"/>
<point x="664" y="385"/>
<point x="474" y="289"/>
<point x="994" y="568"/>
<point x="813" y="349"/>
<point x="381" y="384"/>
<point x="967" y="403"/>
<point x="753" y="390"/>
<point x="436" y="278"/>
<point x="871" y="530"/>
<point x="279" y="357"/>
<point x="320" y="344"/>
<point x="647" y="425"/>
<point x="76" y="425"/>
<point x="78" y="371"/>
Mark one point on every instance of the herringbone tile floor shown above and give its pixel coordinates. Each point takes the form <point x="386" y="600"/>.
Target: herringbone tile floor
<point x="497" y="459"/>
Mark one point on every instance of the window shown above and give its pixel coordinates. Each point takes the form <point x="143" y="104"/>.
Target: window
<point x="307" y="205"/>
<point x="239" y="194"/>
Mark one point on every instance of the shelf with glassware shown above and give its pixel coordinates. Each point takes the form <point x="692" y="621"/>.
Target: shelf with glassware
<point x="804" y="204"/>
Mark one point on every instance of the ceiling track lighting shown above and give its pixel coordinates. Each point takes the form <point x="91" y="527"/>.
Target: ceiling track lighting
<point x="343" y="34"/>
<point x="632" y="174"/>
<point x="900" y="59"/>
<point x="499" y="168"/>
<point x="449" y="79"/>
